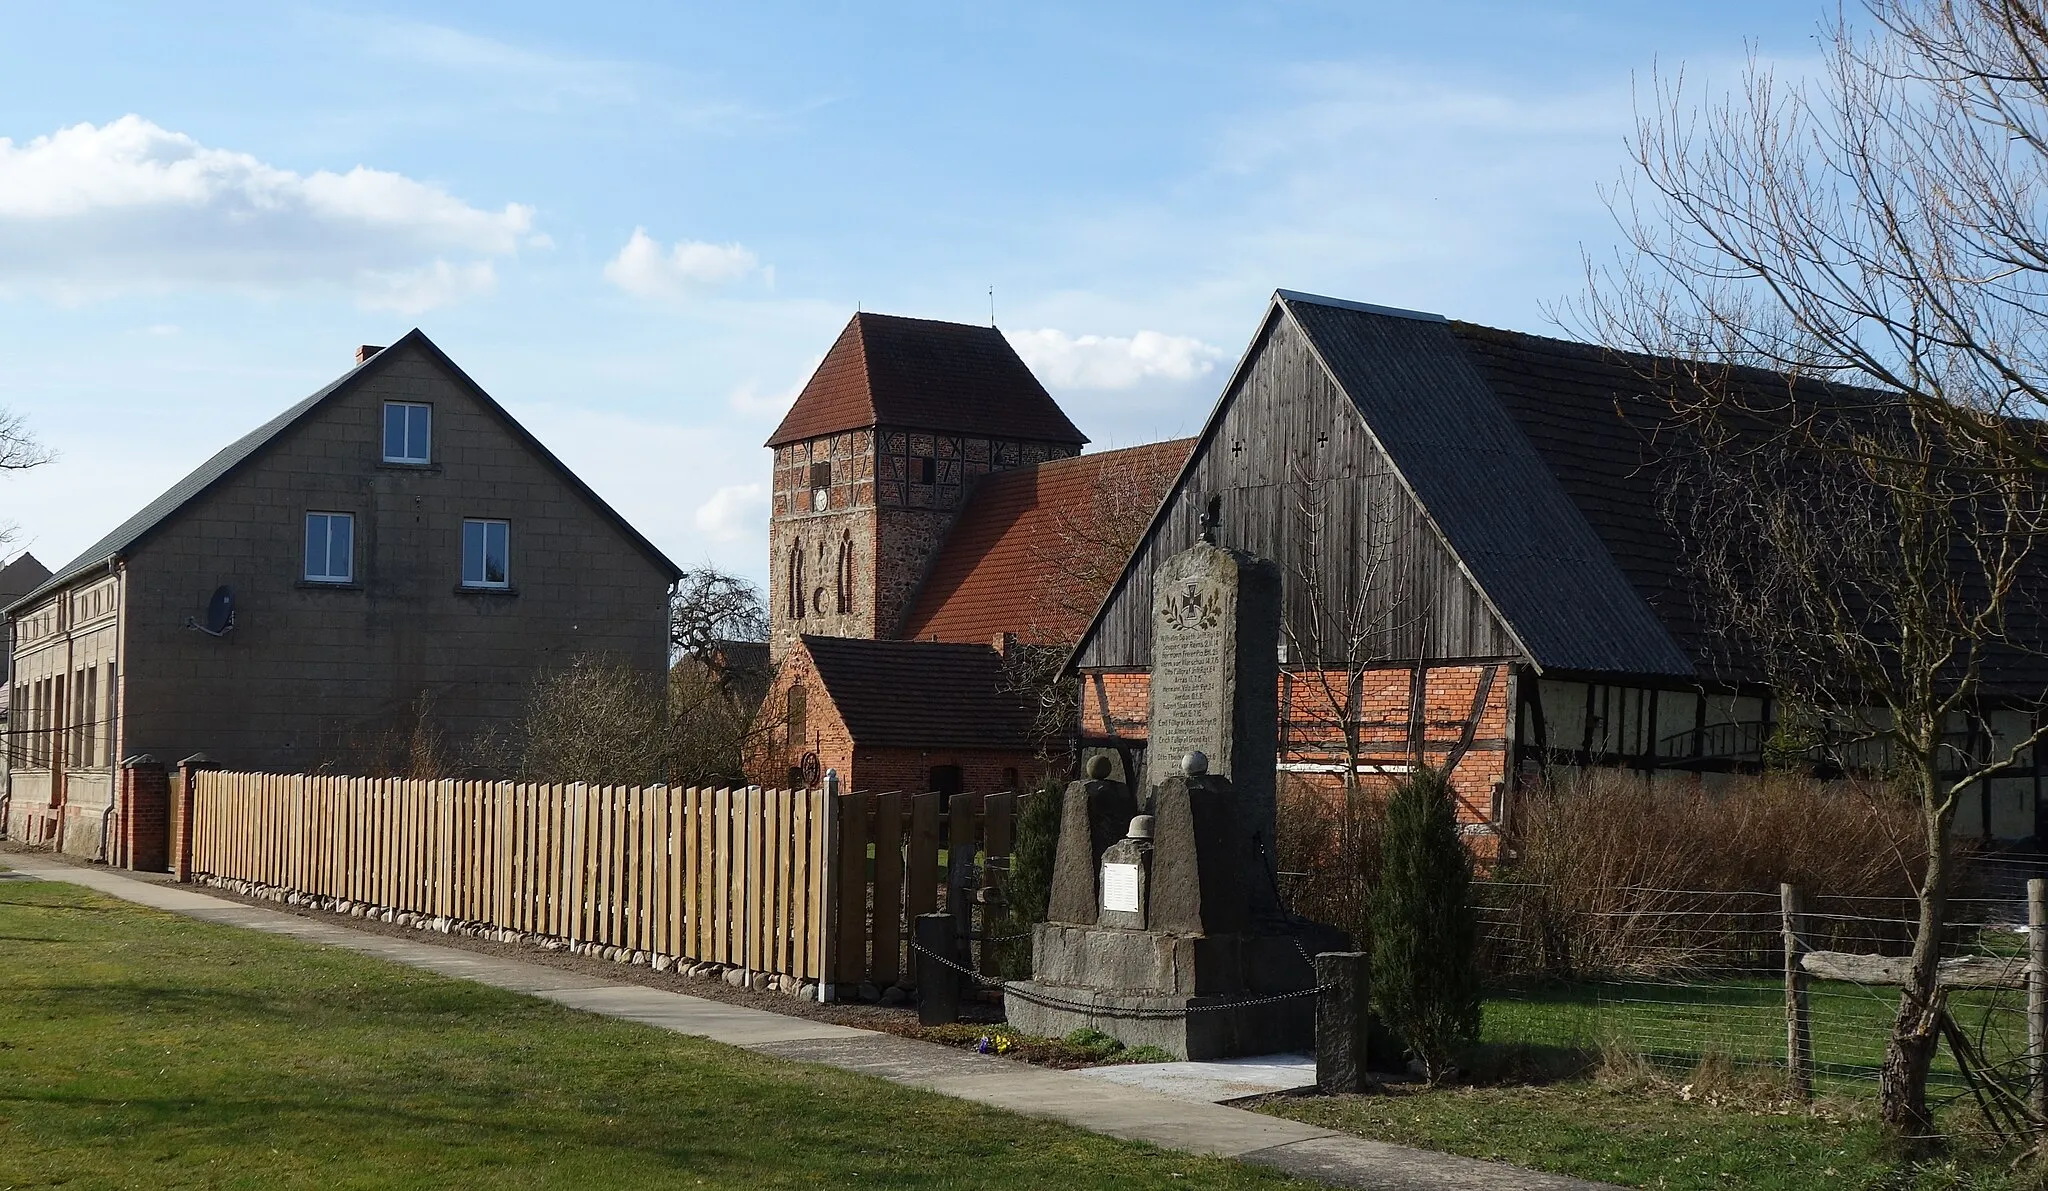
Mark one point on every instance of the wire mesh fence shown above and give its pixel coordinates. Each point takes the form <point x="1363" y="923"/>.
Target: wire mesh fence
<point x="1692" y="979"/>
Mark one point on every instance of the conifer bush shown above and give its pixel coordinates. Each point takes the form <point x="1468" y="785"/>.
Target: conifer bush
<point x="1029" y="888"/>
<point x="1425" y="931"/>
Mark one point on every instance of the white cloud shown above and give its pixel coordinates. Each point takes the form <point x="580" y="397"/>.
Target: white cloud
<point x="645" y="269"/>
<point x="714" y="509"/>
<point x="734" y="512"/>
<point x="437" y="284"/>
<point x="756" y="402"/>
<point x="1066" y="361"/>
<point x="93" y="210"/>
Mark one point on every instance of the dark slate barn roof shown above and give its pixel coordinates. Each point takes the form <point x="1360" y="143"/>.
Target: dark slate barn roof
<point x="136" y="529"/>
<point x="921" y="694"/>
<point x="921" y="374"/>
<point x="1545" y="464"/>
<point x="1527" y="544"/>
<point x="1586" y="412"/>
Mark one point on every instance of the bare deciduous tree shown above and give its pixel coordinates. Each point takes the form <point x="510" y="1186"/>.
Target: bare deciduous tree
<point x="1879" y="224"/>
<point x="20" y="450"/>
<point x="1090" y="544"/>
<point x="1338" y="632"/>
<point x="709" y="608"/>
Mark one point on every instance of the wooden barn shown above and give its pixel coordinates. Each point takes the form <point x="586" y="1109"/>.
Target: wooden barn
<point x="1477" y="571"/>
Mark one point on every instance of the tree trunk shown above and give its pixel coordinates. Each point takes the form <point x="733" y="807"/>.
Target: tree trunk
<point x="1902" y="1082"/>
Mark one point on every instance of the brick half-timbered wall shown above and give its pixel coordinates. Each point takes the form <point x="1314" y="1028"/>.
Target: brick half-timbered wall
<point x="1442" y="710"/>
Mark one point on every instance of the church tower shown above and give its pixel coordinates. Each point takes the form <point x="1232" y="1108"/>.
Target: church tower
<point x="874" y="460"/>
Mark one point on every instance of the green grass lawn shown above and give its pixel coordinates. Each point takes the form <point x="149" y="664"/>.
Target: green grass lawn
<point x="1544" y="1102"/>
<point x="1646" y="1137"/>
<point x="143" y="1049"/>
<point x="1742" y="1022"/>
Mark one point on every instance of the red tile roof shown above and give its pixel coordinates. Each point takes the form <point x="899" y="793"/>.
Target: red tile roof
<point x="1030" y="527"/>
<point x="920" y="374"/>
<point x="921" y="694"/>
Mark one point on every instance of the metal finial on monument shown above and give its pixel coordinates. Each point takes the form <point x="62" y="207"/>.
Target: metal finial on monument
<point x="1195" y="764"/>
<point x="1211" y="519"/>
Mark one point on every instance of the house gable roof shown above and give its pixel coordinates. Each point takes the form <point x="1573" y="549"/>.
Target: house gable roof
<point x="21" y="576"/>
<point x="225" y="463"/>
<point x="921" y="694"/>
<point x="1024" y="528"/>
<point x="922" y="374"/>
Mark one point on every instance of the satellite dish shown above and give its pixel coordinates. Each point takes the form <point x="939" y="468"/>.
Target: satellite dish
<point x="220" y="613"/>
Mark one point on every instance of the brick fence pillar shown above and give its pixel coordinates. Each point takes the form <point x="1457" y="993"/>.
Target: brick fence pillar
<point x="145" y="810"/>
<point x="188" y="781"/>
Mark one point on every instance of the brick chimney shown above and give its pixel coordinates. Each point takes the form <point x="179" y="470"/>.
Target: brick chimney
<point x="366" y="351"/>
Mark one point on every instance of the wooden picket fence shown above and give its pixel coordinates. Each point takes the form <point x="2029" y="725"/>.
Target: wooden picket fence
<point x="729" y="876"/>
<point x="782" y="881"/>
<point x="890" y="871"/>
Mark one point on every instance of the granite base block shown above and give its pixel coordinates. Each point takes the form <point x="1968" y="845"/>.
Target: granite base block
<point x="1157" y="962"/>
<point x="1201" y="1027"/>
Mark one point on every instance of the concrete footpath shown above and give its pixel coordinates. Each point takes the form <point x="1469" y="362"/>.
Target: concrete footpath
<point x="1136" y="1114"/>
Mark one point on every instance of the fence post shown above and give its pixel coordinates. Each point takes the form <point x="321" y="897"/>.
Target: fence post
<point x="188" y="781"/>
<point x="938" y="986"/>
<point x="1341" y="1011"/>
<point x="1798" y="1013"/>
<point x="2037" y="995"/>
<point x="828" y="880"/>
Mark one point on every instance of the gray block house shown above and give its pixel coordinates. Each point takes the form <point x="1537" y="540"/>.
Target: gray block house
<point x="383" y="567"/>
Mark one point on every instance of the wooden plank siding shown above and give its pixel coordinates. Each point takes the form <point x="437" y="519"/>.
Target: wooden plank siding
<point x="1284" y="426"/>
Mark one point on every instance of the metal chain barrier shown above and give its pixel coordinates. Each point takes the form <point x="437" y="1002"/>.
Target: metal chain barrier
<point x="1051" y="1002"/>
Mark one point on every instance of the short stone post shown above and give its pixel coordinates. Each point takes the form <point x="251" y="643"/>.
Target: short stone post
<point x="188" y="783"/>
<point x="938" y="986"/>
<point x="1798" y="1013"/>
<point x="1342" y="1010"/>
<point x="2037" y="995"/>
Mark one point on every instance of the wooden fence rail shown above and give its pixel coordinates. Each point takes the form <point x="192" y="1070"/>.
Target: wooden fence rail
<point x="735" y="877"/>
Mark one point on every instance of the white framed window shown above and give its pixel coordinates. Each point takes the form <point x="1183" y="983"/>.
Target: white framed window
<point x="330" y="547"/>
<point x="486" y="553"/>
<point x="407" y="427"/>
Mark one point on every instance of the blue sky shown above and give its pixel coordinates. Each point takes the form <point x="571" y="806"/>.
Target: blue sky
<point x="640" y="227"/>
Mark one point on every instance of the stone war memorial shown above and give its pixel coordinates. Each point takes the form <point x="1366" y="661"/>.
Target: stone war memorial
<point x="1164" y="926"/>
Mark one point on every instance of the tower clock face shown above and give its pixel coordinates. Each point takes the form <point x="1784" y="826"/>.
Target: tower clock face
<point x="820" y="498"/>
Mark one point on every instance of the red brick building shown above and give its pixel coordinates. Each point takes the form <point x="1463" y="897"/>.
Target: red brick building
<point x="931" y="513"/>
<point x="903" y="715"/>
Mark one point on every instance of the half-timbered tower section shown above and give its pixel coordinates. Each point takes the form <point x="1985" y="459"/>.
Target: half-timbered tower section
<point x="876" y="458"/>
<point x="1475" y="568"/>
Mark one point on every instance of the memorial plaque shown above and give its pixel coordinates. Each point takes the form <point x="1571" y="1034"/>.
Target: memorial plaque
<point x="1216" y="676"/>
<point x="1194" y="656"/>
<point x="1120" y="888"/>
